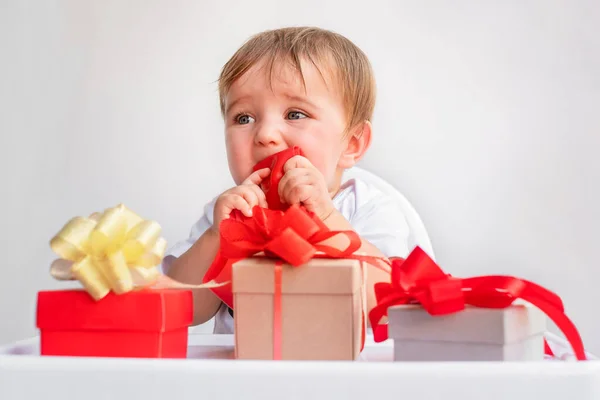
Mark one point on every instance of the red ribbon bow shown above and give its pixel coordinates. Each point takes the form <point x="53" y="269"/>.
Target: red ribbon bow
<point x="419" y="280"/>
<point x="294" y="236"/>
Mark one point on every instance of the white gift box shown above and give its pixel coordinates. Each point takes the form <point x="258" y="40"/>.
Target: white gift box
<point x="515" y="333"/>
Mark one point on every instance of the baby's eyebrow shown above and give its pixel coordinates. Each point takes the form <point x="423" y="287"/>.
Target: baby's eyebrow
<point x="300" y="99"/>
<point x="229" y="106"/>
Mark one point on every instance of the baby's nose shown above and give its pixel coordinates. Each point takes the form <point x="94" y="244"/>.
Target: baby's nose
<point x="269" y="134"/>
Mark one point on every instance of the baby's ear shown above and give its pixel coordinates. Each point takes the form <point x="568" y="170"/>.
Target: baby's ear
<point x="357" y="144"/>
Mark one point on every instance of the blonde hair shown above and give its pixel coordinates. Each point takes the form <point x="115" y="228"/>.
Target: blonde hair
<point x="323" y="48"/>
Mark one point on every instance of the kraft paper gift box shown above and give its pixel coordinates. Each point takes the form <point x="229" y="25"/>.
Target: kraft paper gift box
<point x="320" y="314"/>
<point x="145" y="323"/>
<point x="474" y="334"/>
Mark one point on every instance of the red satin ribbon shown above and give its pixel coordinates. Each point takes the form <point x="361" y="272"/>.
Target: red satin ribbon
<point x="294" y="236"/>
<point x="419" y="280"/>
<point x="270" y="185"/>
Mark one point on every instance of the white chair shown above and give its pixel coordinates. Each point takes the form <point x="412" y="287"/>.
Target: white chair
<point x="419" y="235"/>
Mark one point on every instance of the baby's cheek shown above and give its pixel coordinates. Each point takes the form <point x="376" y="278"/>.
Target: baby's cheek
<point x="238" y="157"/>
<point x="329" y="173"/>
<point x="239" y="168"/>
<point x="324" y="169"/>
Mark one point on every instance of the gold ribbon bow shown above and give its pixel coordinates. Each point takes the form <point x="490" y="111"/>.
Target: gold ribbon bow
<point x="115" y="250"/>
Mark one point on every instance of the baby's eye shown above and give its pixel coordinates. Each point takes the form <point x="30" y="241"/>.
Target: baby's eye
<point x="244" y="119"/>
<point x="296" y="115"/>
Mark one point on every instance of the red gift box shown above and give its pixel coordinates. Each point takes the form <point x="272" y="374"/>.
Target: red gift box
<point x="146" y="323"/>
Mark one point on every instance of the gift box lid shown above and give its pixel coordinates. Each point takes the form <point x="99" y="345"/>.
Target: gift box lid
<point x="144" y="310"/>
<point x="475" y="325"/>
<point x="318" y="276"/>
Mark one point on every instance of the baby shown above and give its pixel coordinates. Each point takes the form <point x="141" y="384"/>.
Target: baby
<point x="304" y="87"/>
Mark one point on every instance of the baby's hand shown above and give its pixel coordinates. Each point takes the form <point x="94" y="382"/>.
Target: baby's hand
<point x="304" y="184"/>
<point x="243" y="197"/>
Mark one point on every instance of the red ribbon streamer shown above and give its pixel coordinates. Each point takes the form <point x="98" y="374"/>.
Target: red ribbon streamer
<point x="419" y="280"/>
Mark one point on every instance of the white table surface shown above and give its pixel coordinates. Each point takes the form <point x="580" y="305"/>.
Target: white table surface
<point x="211" y="373"/>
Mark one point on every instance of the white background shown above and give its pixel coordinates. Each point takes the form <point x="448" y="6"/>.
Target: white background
<point x="487" y="119"/>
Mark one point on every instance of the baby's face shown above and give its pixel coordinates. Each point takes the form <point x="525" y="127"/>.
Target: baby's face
<point x="264" y="116"/>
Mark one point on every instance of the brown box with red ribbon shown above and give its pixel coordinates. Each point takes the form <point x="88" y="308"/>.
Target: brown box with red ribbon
<point x="310" y="312"/>
<point x="515" y="333"/>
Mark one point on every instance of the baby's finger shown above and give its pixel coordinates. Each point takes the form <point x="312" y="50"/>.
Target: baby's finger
<point x="237" y="202"/>
<point x="257" y="177"/>
<point x="298" y="194"/>
<point x="262" y="199"/>
<point x="247" y="192"/>
<point x="297" y="162"/>
<point x="291" y="178"/>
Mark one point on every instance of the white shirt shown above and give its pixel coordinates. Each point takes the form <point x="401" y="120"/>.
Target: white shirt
<point x="373" y="215"/>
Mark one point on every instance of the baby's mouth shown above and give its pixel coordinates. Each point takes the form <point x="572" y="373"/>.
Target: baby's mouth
<point x="271" y="160"/>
